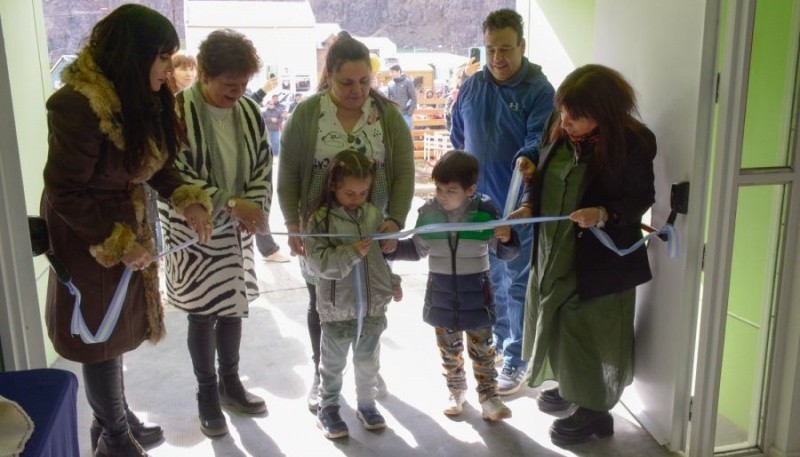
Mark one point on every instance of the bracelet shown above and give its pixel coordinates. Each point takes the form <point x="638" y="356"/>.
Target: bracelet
<point x="602" y="217"/>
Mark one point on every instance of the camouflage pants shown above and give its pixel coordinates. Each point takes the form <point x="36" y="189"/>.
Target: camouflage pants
<point x="480" y="350"/>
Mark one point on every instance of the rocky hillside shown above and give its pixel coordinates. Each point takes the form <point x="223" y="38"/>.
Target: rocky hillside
<point x="436" y="25"/>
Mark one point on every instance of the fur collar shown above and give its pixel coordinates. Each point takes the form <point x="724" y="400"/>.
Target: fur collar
<point x="86" y="78"/>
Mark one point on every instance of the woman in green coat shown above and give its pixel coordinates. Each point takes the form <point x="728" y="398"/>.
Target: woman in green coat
<point x="596" y="165"/>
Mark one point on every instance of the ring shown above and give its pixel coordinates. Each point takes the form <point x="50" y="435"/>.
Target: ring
<point x="208" y="224"/>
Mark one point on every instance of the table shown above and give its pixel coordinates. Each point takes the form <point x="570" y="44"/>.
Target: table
<point x="49" y="397"/>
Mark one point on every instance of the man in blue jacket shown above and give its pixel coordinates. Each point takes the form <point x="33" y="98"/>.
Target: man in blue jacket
<point x="498" y="117"/>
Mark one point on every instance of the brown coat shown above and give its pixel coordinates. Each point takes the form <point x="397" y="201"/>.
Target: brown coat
<point x="95" y="209"/>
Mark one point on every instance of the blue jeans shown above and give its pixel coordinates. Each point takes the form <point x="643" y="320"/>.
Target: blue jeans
<point x="275" y="141"/>
<point x="510" y="283"/>
<point x="407" y="118"/>
<point x="337" y="337"/>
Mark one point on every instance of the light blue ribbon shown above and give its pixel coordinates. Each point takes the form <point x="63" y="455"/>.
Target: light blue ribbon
<point x="513" y="192"/>
<point x="673" y="241"/>
<point x="78" y="324"/>
<point x="361" y="298"/>
<point x="109" y="323"/>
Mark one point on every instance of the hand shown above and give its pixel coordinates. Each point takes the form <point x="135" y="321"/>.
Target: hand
<point x="523" y="212"/>
<point x="397" y="292"/>
<point x="527" y="168"/>
<point x="362" y="246"/>
<point x="296" y="242"/>
<point x="200" y="221"/>
<point x="137" y="258"/>
<point x="503" y="233"/>
<point x="250" y="216"/>
<point x="269" y="84"/>
<point x="274" y="120"/>
<point x="388" y="226"/>
<point x="586" y="217"/>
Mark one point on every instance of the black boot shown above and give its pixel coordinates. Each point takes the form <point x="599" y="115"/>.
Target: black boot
<point x="233" y="396"/>
<point x="581" y="425"/>
<point x="146" y="435"/>
<point x="550" y="400"/>
<point x="202" y="346"/>
<point x="212" y="421"/>
<point x="124" y="445"/>
<point x="232" y="393"/>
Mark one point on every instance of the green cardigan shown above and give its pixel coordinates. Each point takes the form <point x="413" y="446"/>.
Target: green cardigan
<point x="298" y="146"/>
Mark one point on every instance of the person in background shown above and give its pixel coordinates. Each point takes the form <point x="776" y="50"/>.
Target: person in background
<point x="298" y="97"/>
<point x="183" y="75"/>
<point x="273" y="117"/>
<point x="350" y="271"/>
<point x="345" y="113"/>
<point x="498" y="117"/>
<point x="459" y="301"/>
<point x="597" y="165"/>
<point x="184" y="71"/>
<point x="226" y="153"/>
<point x="111" y="129"/>
<point x="402" y="91"/>
<point x="265" y="243"/>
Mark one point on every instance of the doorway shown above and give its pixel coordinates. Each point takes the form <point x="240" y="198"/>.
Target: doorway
<point x="752" y="205"/>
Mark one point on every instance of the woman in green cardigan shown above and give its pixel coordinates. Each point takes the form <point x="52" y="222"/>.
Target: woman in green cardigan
<point x="345" y="113"/>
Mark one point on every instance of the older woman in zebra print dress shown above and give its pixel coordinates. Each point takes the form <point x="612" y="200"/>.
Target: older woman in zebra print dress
<point x="226" y="153"/>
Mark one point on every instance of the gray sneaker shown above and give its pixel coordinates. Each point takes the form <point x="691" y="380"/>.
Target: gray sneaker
<point x="509" y="381"/>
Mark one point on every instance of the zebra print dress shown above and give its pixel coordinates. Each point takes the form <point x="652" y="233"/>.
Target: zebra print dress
<point x="217" y="277"/>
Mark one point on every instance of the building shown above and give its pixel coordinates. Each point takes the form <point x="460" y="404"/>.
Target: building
<point x="282" y="32"/>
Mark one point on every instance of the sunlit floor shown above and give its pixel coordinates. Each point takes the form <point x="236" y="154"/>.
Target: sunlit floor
<point x="275" y="364"/>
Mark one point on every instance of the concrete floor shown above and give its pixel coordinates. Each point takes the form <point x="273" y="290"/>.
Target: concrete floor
<point x="276" y="365"/>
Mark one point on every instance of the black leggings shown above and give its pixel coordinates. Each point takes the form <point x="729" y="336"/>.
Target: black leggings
<point x="212" y="335"/>
<point x="314" y="327"/>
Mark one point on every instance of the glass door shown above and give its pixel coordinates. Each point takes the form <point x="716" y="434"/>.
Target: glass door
<point x="755" y="190"/>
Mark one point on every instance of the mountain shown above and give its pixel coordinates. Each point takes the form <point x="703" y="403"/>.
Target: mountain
<point x="434" y="25"/>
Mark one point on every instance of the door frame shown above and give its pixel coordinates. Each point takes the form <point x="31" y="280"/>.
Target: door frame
<point x="21" y="332"/>
<point x="732" y="89"/>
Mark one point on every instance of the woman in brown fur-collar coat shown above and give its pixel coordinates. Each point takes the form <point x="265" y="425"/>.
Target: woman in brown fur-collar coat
<point x="112" y="129"/>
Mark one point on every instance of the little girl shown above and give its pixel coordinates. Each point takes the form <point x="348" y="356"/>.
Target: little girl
<point x="352" y="277"/>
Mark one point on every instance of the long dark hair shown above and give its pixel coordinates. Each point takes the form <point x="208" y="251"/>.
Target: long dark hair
<point x="124" y="46"/>
<point x="346" y="163"/>
<point x="347" y="49"/>
<point x="603" y="94"/>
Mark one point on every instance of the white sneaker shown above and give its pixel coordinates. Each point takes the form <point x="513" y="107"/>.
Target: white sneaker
<point x="455" y="404"/>
<point x="276" y="257"/>
<point x="494" y="409"/>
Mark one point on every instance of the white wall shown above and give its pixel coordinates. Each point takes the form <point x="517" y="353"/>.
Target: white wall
<point x="22" y="154"/>
<point x="640" y="38"/>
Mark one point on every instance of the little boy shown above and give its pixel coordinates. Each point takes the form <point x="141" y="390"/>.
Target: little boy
<point x="459" y="298"/>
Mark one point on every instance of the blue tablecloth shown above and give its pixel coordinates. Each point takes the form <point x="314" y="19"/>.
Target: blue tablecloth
<point x="49" y="397"/>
